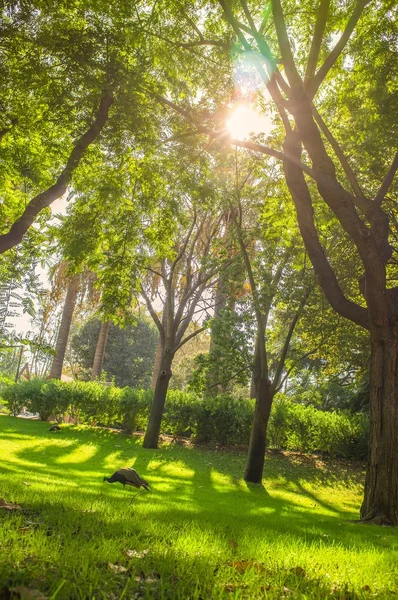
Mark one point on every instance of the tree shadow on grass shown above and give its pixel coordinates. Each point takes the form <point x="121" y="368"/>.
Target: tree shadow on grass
<point x="187" y="487"/>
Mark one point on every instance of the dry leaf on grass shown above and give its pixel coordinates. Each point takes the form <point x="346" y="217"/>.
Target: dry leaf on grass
<point x="233" y="544"/>
<point x="25" y="593"/>
<point x="117" y="568"/>
<point x="6" y="506"/>
<point x="136" y="553"/>
<point x="148" y="578"/>
<point x="26" y="483"/>
<point x="243" y="565"/>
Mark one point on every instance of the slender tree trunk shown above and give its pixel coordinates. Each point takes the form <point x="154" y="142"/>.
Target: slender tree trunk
<point x="63" y="333"/>
<point x="380" y="505"/>
<point x="156" y="364"/>
<point x="256" y="454"/>
<point x="159" y="398"/>
<point x="100" y="350"/>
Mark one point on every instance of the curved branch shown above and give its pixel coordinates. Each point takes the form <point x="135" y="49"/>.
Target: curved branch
<point x="44" y="199"/>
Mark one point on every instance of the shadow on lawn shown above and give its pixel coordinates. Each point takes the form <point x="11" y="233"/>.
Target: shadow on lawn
<point x="188" y="500"/>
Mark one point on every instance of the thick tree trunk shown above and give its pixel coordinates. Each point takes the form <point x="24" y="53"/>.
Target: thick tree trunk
<point x="100" y="350"/>
<point x="256" y="454"/>
<point x="156" y="364"/>
<point x="63" y="333"/>
<point x="380" y="505"/>
<point x="159" y="398"/>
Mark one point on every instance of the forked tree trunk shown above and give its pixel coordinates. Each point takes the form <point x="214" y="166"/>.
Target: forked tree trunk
<point x="100" y="350"/>
<point x="380" y="505"/>
<point x="159" y="399"/>
<point x="256" y="454"/>
<point x="63" y="333"/>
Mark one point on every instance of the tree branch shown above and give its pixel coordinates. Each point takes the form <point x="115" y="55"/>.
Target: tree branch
<point x="44" y="199"/>
<point x="153" y="314"/>
<point x="388" y="179"/>
<point x="305" y="215"/>
<point x="337" y="50"/>
<point x="189" y="337"/>
<point x="288" y="338"/>
<point x="361" y="201"/>
<point x="284" y="45"/>
<point x="316" y="41"/>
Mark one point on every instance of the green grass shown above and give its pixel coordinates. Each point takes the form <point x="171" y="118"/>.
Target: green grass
<point x="291" y="538"/>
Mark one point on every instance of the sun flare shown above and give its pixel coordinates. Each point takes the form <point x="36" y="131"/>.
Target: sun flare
<point x="245" y="120"/>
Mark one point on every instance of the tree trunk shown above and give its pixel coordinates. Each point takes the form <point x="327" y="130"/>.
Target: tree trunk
<point x="159" y="398"/>
<point x="380" y="505"/>
<point x="256" y="454"/>
<point x="63" y="333"/>
<point x="100" y="350"/>
<point x="156" y="364"/>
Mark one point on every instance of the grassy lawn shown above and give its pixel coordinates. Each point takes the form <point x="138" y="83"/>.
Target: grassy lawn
<point x="200" y="533"/>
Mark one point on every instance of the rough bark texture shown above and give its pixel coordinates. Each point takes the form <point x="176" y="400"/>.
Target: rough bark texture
<point x="256" y="454"/>
<point x="159" y="398"/>
<point x="156" y="364"/>
<point x="63" y="333"/>
<point x="380" y="505"/>
<point x="100" y="350"/>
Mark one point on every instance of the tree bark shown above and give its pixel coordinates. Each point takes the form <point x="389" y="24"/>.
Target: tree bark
<point x="63" y="333"/>
<point x="159" y="398"/>
<point x="156" y="364"/>
<point x="100" y="350"/>
<point x="380" y="505"/>
<point x="256" y="454"/>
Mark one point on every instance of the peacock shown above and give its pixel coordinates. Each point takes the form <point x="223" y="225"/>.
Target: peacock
<point x="127" y="477"/>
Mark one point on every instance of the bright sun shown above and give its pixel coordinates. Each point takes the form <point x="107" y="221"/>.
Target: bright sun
<point x="245" y="120"/>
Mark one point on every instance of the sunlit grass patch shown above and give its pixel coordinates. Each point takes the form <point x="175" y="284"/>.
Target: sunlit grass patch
<point x="201" y="532"/>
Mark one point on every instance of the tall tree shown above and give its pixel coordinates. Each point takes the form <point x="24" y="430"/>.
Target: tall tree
<point x="182" y="283"/>
<point x="357" y="204"/>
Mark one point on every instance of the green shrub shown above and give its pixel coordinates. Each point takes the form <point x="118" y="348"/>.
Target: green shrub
<point x="134" y="408"/>
<point x="222" y="419"/>
<point x="180" y="414"/>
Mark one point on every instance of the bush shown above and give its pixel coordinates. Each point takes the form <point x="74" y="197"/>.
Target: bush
<point x="223" y="419"/>
<point x="134" y="408"/>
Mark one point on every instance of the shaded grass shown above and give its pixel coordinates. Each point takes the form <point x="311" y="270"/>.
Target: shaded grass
<point x="207" y="533"/>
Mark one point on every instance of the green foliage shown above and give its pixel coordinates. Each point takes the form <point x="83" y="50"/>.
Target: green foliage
<point x="129" y="353"/>
<point x="222" y="419"/>
<point x="134" y="408"/>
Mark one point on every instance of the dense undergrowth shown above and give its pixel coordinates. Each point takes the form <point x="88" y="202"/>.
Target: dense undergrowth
<point x="200" y="533"/>
<point x="222" y="419"/>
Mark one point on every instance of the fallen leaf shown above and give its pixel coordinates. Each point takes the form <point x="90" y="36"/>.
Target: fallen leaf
<point x="6" y="506"/>
<point x="136" y="553"/>
<point x="26" y="483"/>
<point x="232" y="544"/>
<point x="243" y="565"/>
<point x="366" y="588"/>
<point x="25" y="593"/>
<point x="298" y="571"/>
<point x="117" y="568"/>
<point x="24" y="529"/>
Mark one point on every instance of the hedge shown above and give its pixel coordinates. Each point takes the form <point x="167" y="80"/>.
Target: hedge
<point x="222" y="419"/>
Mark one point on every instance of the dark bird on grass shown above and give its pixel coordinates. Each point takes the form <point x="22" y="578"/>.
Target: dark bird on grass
<point x="55" y="428"/>
<point x="128" y="477"/>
